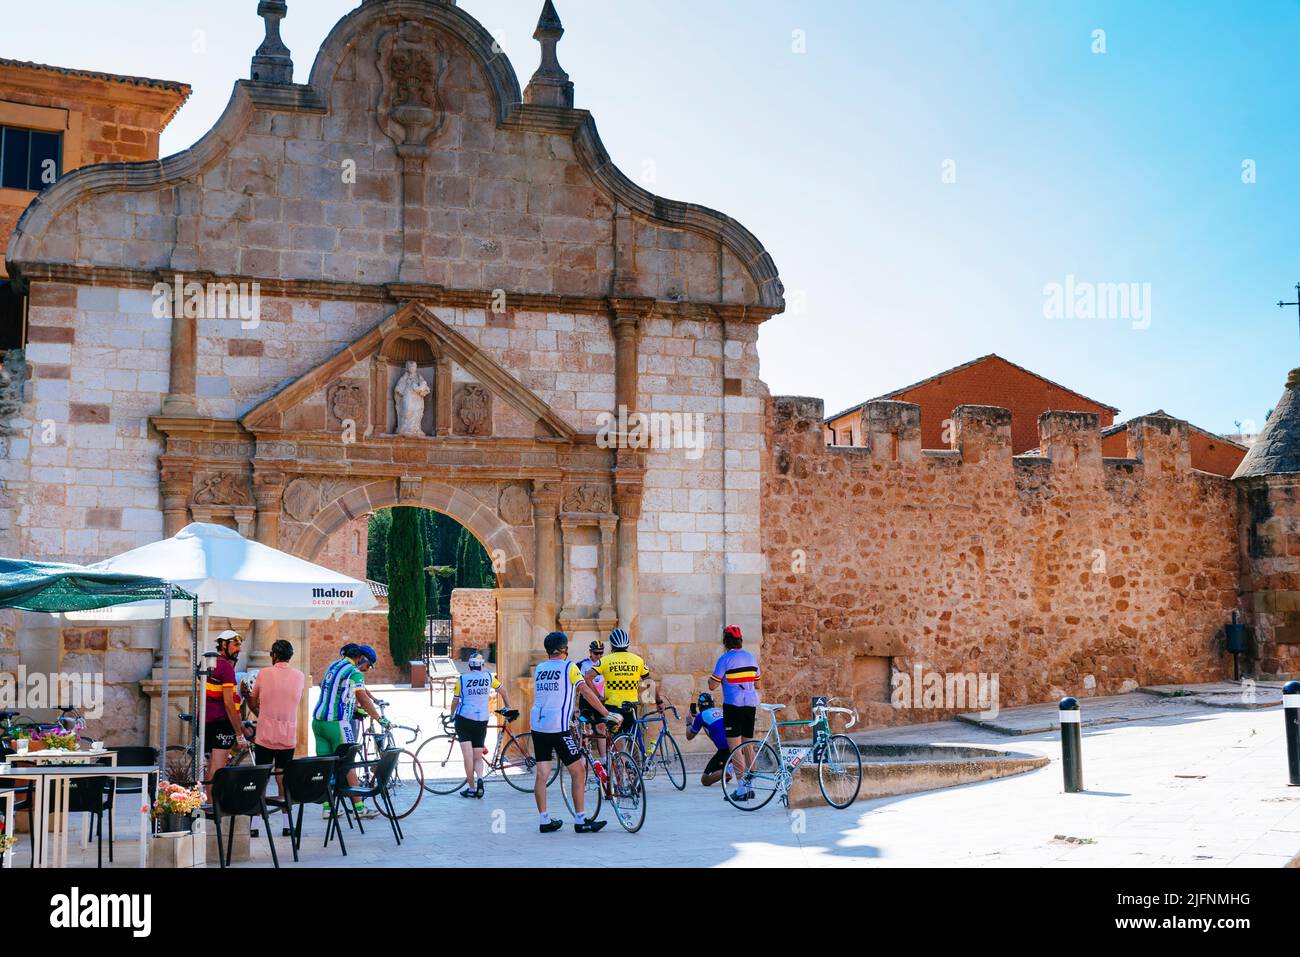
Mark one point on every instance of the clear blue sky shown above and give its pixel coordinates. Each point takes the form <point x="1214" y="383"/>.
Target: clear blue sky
<point x="1117" y="167"/>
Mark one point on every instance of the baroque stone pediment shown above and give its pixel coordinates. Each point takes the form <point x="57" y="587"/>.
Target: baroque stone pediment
<point x="403" y="96"/>
<point x="340" y="383"/>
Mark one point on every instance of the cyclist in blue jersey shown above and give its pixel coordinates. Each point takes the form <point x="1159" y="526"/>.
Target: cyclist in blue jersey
<point x="556" y="683"/>
<point x="707" y="717"/>
<point x="737" y="674"/>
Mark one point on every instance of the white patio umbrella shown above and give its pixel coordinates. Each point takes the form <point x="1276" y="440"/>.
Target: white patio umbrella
<point x="233" y="577"/>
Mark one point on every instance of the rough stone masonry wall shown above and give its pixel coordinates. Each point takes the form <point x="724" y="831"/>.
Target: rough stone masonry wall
<point x="1061" y="574"/>
<point x="473" y="619"/>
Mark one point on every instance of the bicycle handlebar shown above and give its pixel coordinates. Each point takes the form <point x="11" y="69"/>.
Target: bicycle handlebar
<point x="851" y="712"/>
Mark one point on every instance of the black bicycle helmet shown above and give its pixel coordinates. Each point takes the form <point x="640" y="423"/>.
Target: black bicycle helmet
<point x="705" y="701"/>
<point x="555" y="641"/>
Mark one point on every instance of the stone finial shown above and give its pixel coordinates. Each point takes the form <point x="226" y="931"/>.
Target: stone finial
<point x="271" y="62"/>
<point x="550" y="85"/>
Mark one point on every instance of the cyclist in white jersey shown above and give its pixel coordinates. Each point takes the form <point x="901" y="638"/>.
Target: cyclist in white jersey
<point x="473" y="696"/>
<point x="556" y="684"/>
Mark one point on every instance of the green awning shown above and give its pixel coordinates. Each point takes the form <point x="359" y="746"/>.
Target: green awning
<point x="54" y="587"/>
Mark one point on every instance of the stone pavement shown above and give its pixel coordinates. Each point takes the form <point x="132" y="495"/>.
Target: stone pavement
<point x="1203" y="788"/>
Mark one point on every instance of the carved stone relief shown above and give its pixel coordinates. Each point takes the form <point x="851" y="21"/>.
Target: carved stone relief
<point x="222" y="488"/>
<point x="587" y="498"/>
<point x="472" y="409"/>
<point x="412" y="60"/>
<point x="347" y="402"/>
<point x="515" y="506"/>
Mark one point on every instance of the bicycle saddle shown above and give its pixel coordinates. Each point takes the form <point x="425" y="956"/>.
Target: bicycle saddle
<point x="771" y="707"/>
<point x="186" y="717"/>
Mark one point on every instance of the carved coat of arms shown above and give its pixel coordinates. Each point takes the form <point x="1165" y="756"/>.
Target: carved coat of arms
<point x="473" y="410"/>
<point x="411" y="62"/>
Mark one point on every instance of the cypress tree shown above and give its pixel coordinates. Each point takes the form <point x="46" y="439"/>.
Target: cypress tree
<point x="406" y="593"/>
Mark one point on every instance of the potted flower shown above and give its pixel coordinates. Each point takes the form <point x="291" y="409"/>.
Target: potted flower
<point x="177" y="807"/>
<point x="55" y="741"/>
<point x="7" y="840"/>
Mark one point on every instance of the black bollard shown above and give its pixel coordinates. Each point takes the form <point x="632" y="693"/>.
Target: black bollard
<point x="1072" y="744"/>
<point x="1291" y="712"/>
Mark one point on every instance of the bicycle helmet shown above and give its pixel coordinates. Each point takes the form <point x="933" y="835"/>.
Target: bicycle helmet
<point x="369" y="654"/>
<point x="618" y="638"/>
<point x="555" y="641"/>
<point x="350" y="650"/>
<point x="476" y="661"/>
<point x="704" y="701"/>
<point x="597" y="647"/>
<point x="731" y="636"/>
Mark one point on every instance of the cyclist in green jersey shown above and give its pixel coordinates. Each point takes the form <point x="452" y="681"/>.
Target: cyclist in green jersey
<point x="342" y="692"/>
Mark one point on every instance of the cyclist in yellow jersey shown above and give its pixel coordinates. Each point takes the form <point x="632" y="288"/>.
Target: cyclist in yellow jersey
<point x="625" y="674"/>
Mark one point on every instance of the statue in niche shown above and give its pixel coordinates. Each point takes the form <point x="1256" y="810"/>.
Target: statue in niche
<point x="410" y="396"/>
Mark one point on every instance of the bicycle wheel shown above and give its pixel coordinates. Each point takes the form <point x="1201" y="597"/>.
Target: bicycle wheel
<point x="839" y="772"/>
<point x="592" y="796"/>
<point x="178" y="764"/>
<point x="627" y="792"/>
<point x="756" y="767"/>
<point x="518" y="765"/>
<point x="442" y="764"/>
<point x="669" y="757"/>
<point x="242" y="757"/>
<point x="405" y="787"/>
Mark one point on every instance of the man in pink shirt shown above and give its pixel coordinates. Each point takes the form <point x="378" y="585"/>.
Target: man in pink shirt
<point x="274" y="699"/>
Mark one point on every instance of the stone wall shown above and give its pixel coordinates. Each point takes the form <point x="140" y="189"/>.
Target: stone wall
<point x="363" y="628"/>
<point x="473" y="619"/>
<point x="1065" y="573"/>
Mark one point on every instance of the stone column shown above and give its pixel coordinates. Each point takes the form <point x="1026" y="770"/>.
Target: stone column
<point x="626" y="316"/>
<point x="414" y="217"/>
<point x="268" y="490"/>
<point x="567" y="530"/>
<point x="628" y="505"/>
<point x="607" y="527"/>
<point x="183" y="376"/>
<point x="546" y="508"/>
<point x="177" y="483"/>
<point x="442" y="389"/>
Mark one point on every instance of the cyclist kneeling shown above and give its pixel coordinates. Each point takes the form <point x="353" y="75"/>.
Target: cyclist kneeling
<point x="706" y="716"/>
<point x="469" y="705"/>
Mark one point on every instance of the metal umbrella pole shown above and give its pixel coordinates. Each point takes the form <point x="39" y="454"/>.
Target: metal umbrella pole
<point x="201" y="706"/>
<point x="166" y="680"/>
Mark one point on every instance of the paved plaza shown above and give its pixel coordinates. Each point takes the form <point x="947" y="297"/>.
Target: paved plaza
<point x="1204" y="787"/>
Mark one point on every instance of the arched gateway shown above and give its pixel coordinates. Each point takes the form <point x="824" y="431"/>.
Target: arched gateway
<point x="405" y="281"/>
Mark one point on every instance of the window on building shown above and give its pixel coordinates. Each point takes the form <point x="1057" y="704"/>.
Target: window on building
<point x="29" y="159"/>
<point x="11" y="317"/>
<point x="845" y="438"/>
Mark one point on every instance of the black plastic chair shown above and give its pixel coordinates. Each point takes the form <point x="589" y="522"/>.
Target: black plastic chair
<point x="378" y="791"/>
<point x="348" y="757"/>
<point x="308" y="781"/>
<point x="91" y="796"/>
<point x="239" y="792"/>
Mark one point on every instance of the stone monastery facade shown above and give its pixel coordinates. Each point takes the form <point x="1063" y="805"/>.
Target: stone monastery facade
<point x="235" y="321"/>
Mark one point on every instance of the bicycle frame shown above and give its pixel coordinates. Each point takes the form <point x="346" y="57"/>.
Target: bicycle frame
<point x="791" y="758"/>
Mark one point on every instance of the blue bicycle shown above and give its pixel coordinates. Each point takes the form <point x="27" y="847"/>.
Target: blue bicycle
<point x="662" y="752"/>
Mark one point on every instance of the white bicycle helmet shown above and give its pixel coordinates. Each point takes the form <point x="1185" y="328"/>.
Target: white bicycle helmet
<point x="476" y="661"/>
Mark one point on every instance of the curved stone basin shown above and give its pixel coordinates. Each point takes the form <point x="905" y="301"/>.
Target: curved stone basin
<point x="889" y="770"/>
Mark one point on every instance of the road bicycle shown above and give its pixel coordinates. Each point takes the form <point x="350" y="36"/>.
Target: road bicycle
<point x="618" y="784"/>
<point x="443" y="765"/>
<point x="662" y="752"/>
<point x="768" y="768"/>
<point x="406" y="785"/>
<point x="178" y="759"/>
<point x="69" y="721"/>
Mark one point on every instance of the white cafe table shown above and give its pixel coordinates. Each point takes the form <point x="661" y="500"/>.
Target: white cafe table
<point x="51" y="850"/>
